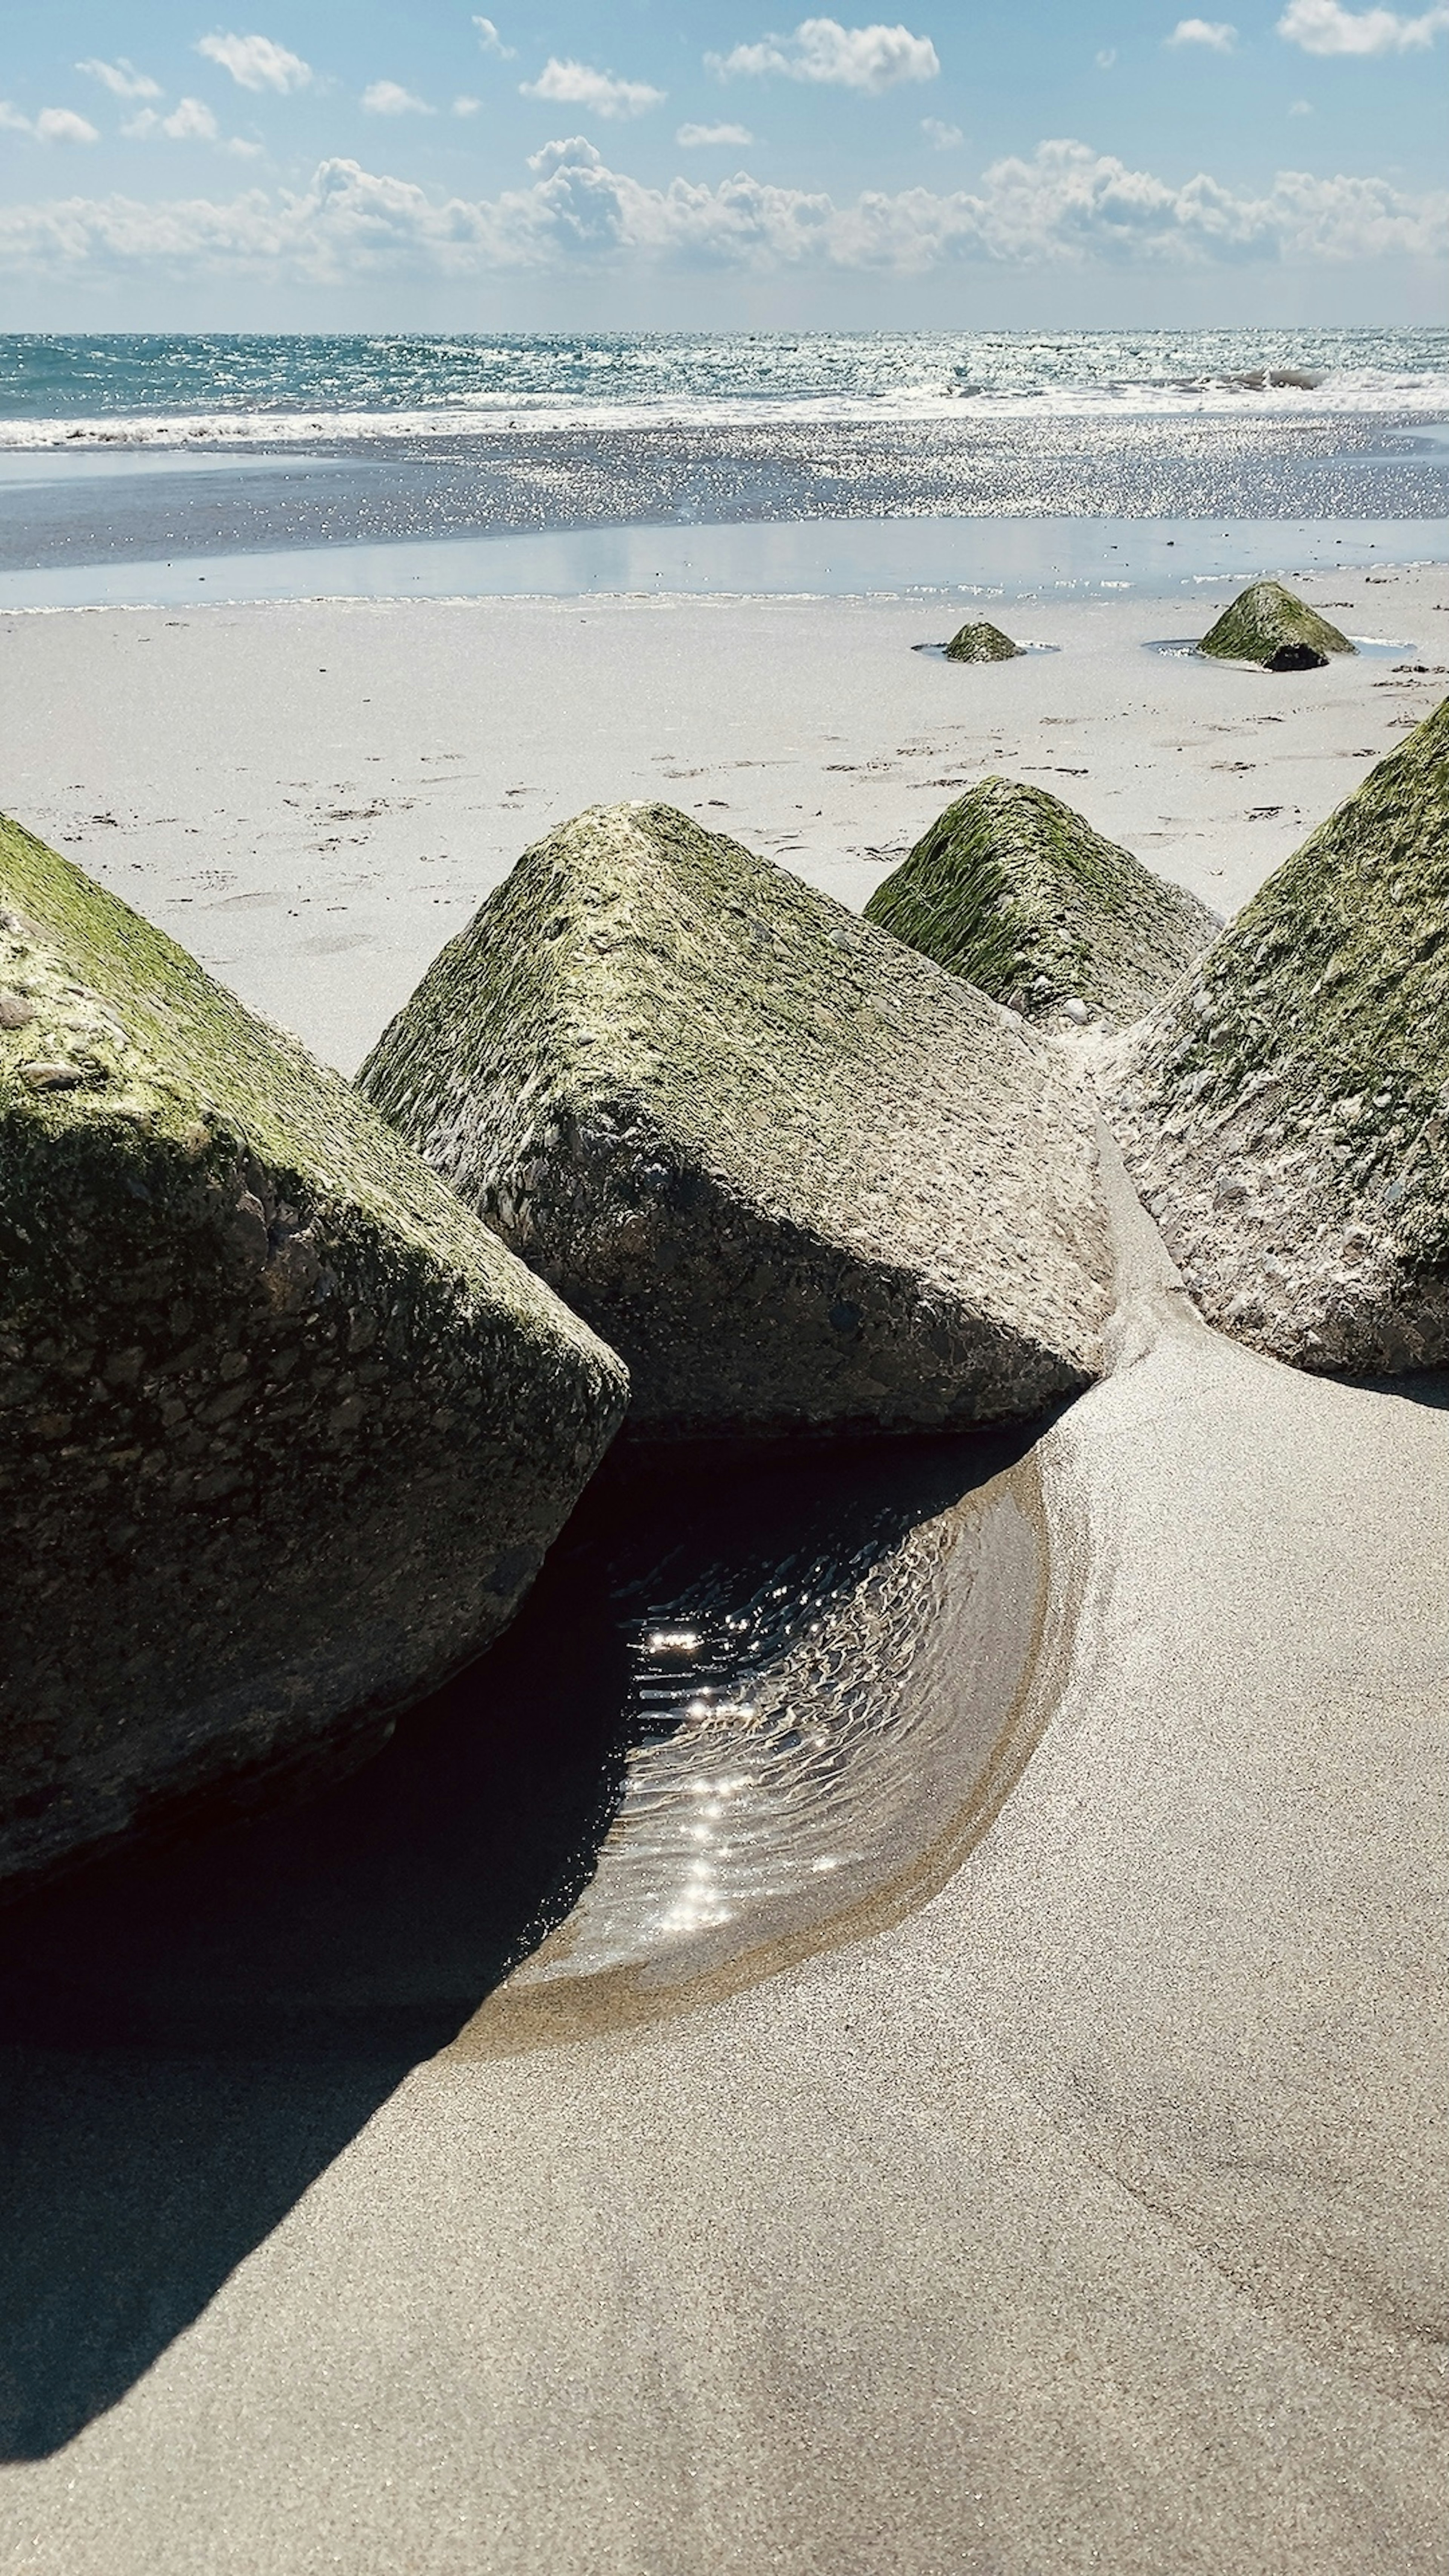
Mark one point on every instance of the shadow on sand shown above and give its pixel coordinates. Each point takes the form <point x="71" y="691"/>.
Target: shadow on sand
<point x="189" y="2037"/>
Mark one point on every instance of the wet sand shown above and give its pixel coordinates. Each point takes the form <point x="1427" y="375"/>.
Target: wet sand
<point x="1087" y="2215"/>
<point x="1084" y="2209"/>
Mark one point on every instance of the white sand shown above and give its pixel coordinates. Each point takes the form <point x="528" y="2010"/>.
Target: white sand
<point x="1092" y="2216"/>
<point x="314" y="797"/>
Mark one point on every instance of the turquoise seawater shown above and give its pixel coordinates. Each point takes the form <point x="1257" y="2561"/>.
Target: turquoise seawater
<point x="156" y="469"/>
<point x="68" y="387"/>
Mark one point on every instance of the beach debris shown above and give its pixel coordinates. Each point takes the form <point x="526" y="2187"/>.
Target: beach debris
<point x="1285" y="1113"/>
<point x="981" y="642"/>
<point x="1267" y="625"/>
<point x="799" y="1177"/>
<point x="1015" y="892"/>
<point x="286" y="1431"/>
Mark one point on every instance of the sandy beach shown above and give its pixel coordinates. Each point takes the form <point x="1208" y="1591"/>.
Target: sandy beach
<point x="314" y="796"/>
<point x="1075" y="2204"/>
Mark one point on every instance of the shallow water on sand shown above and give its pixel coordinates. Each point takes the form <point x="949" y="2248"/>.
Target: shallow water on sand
<point x="956" y="560"/>
<point x="821" y="1660"/>
<point x="748" y="1695"/>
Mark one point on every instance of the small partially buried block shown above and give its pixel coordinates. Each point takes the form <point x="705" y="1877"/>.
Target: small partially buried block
<point x="982" y="643"/>
<point x="1267" y="625"/>
<point x="1016" y="893"/>
<point x="284" y="1432"/>
<point x="802" y="1180"/>
<point x="1285" y="1115"/>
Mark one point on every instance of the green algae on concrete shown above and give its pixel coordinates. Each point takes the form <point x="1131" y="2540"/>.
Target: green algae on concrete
<point x="1286" y="1114"/>
<point x="287" y="1431"/>
<point x="1267" y="625"/>
<point x="1018" y="894"/>
<point x="982" y="642"/>
<point x="800" y="1178"/>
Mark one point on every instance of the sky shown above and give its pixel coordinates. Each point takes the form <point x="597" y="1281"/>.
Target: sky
<point x="710" y="163"/>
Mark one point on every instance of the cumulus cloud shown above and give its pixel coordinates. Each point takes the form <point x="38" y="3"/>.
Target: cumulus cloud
<point x="1066" y="206"/>
<point x="389" y="98"/>
<point x="865" y="58"/>
<point x="466" y="106"/>
<point x="1324" y="27"/>
<point x="255" y="63"/>
<point x="1218" y="36"/>
<point x="1106" y="58"/>
<point x="52" y="125"/>
<point x="121" y="78"/>
<point x="571" y="84"/>
<point x="944" y="138"/>
<point x="490" y="42"/>
<point x="689" y="135"/>
<point x="190" y="121"/>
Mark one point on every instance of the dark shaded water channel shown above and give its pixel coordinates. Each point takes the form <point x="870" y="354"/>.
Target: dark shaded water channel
<point x="748" y="1702"/>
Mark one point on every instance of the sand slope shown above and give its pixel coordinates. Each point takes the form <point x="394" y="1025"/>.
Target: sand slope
<point x="1087" y="2218"/>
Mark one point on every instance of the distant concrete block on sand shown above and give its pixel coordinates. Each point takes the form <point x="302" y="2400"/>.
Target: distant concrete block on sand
<point x="1268" y="625"/>
<point x="1018" y="894"/>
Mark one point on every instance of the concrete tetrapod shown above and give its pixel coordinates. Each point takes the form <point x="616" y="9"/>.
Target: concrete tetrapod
<point x="1285" y="1115"/>
<point x="799" y="1177"/>
<point x="981" y="642"/>
<point x="1017" y="893"/>
<point x="1267" y="625"/>
<point x="286" y="1431"/>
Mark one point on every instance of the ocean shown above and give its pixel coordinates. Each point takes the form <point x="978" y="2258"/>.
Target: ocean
<point x="149" y="469"/>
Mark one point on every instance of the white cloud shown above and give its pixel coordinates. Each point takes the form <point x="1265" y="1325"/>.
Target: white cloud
<point x="490" y="42"/>
<point x="11" y="119"/>
<point x="466" y="106"/>
<point x="389" y="98"/>
<point x="1215" y="33"/>
<point x="1066" y="206"/>
<point x="944" y="138"/>
<point x="1325" y="27"/>
<point x="255" y="63"/>
<point x="1106" y="58"/>
<point x="570" y="84"/>
<point x="690" y="135"/>
<point x="865" y="58"/>
<point x="191" y="121"/>
<point x="121" y="78"/>
<point x="62" y="125"/>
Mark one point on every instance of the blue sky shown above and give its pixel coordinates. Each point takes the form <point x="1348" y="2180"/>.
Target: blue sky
<point x="682" y="162"/>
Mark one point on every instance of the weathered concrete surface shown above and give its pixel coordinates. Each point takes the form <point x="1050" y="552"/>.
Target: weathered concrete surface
<point x="1286" y="1115"/>
<point x="1018" y="894"/>
<point x="797" y="1176"/>
<point x="286" y="1431"/>
<point x="1266" y="624"/>
<point x="981" y="642"/>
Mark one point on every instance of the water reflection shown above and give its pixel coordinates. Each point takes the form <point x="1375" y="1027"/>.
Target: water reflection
<point x="819" y="1658"/>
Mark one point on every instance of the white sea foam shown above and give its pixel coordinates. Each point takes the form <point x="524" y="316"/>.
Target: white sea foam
<point x="1345" y="393"/>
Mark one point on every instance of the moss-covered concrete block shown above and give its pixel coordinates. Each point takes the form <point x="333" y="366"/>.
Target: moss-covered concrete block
<point x="800" y="1178"/>
<point x="284" y="1432"/>
<point x="1286" y="1114"/>
<point x="1016" y="893"/>
<point x="982" y="642"/>
<point x="1267" y="625"/>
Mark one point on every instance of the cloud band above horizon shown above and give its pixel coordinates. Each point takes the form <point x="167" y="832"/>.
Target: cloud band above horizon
<point x="1066" y="206"/>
